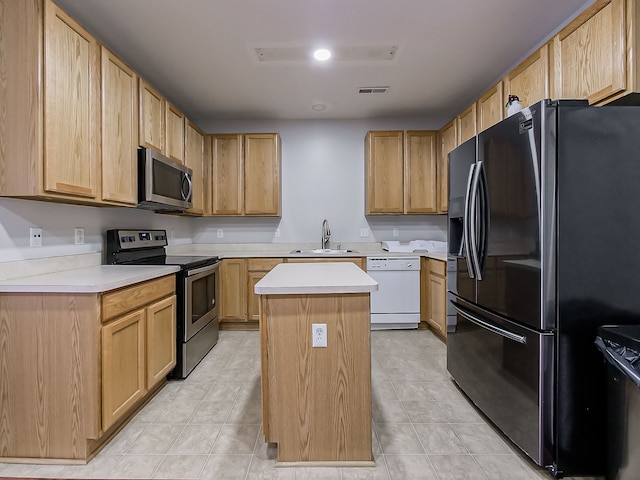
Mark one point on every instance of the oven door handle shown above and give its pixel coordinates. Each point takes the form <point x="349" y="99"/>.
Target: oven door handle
<point x="488" y="326"/>
<point x="204" y="269"/>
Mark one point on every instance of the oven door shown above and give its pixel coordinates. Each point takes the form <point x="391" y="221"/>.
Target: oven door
<point x="201" y="287"/>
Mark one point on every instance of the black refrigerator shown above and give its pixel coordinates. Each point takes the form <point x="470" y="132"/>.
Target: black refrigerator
<point x="544" y="246"/>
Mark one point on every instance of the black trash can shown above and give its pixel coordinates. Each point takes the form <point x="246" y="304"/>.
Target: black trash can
<point x="620" y="345"/>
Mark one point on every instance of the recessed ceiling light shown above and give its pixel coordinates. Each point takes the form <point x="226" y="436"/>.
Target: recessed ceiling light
<point x="318" y="107"/>
<point x="322" y="54"/>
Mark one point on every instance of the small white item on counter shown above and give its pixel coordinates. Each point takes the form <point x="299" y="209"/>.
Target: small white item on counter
<point x="414" y="246"/>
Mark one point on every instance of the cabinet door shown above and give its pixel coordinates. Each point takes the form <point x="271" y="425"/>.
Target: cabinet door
<point x="420" y="172"/>
<point x="174" y="122"/>
<point x="437" y="304"/>
<point x="384" y="163"/>
<point x="448" y="141"/>
<point x="227" y="175"/>
<point x="233" y="289"/>
<point x="491" y="107"/>
<point x="152" y="118"/>
<point x="161" y="340"/>
<point x="253" y="300"/>
<point x="467" y="124"/>
<point x="530" y="80"/>
<point x="71" y="106"/>
<point x="119" y="131"/>
<point x="194" y="159"/>
<point x="262" y="174"/>
<point x="123" y="365"/>
<point x="589" y="55"/>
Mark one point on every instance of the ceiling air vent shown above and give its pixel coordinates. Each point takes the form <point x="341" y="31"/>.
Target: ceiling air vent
<point x="373" y="89"/>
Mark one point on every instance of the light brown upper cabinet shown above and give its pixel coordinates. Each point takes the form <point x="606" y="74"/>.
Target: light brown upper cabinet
<point x="152" y="118"/>
<point x="162" y="126"/>
<point x="490" y="107"/>
<point x="467" y="123"/>
<point x="589" y="54"/>
<point x="420" y="172"/>
<point x="119" y="131"/>
<point x="529" y="80"/>
<point x="447" y="141"/>
<point x="401" y="172"/>
<point x="175" y="133"/>
<point x="262" y="174"/>
<point x="245" y="174"/>
<point x="49" y="105"/>
<point x="194" y="158"/>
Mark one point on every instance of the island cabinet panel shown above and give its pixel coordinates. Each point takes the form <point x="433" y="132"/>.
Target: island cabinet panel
<point x="317" y="401"/>
<point x="50" y="380"/>
<point x="119" y="131"/>
<point x="529" y="81"/>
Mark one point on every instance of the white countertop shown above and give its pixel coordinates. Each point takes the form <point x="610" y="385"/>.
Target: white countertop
<point x="100" y="278"/>
<point x="315" y="278"/>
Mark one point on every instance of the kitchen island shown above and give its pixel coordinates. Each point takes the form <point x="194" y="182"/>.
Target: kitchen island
<point x="316" y="401"/>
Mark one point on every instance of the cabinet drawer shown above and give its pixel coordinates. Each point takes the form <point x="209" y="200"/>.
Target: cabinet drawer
<point x="262" y="264"/>
<point x="117" y="302"/>
<point x="437" y="267"/>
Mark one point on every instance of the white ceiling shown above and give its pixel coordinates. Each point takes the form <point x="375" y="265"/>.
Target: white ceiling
<point x="200" y="53"/>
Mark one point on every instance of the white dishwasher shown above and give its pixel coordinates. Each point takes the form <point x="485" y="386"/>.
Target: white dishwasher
<point x="396" y="304"/>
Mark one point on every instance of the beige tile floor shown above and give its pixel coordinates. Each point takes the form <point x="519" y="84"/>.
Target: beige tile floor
<point x="208" y="426"/>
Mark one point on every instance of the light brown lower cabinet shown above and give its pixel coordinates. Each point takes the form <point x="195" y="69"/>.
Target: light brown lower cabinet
<point x="433" y="295"/>
<point x="239" y="305"/>
<point x="78" y="365"/>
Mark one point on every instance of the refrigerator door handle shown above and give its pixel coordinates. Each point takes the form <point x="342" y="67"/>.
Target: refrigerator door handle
<point x="473" y="220"/>
<point x="466" y="221"/>
<point x="488" y="326"/>
<point x="484" y="216"/>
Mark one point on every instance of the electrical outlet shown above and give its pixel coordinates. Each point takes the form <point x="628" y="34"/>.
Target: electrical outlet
<point x="395" y="232"/>
<point x="35" y="237"/>
<point x="78" y="233"/>
<point x="319" y="333"/>
<point x="277" y="232"/>
<point x="220" y="233"/>
<point x="172" y="234"/>
<point x="364" y="232"/>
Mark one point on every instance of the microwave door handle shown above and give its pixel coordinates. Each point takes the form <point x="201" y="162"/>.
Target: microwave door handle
<point x="186" y="179"/>
<point x="488" y="326"/>
<point x="473" y="220"/>
<point x="466" y="221"/>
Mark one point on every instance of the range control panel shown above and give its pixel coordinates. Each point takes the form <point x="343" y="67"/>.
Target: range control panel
<point x="128" y="239"/>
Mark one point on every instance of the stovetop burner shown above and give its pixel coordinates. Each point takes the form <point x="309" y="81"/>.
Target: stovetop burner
<point x="146" y="247"/>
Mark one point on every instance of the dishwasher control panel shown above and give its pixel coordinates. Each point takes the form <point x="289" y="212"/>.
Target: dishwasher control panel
<point x="393" y="263"/>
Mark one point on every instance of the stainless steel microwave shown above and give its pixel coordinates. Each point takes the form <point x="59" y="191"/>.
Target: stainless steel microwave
<point x="163" y="184"/>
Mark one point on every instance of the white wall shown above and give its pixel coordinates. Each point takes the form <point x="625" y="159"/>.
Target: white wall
<point x="58" y="222"/>
<point x="322" y="177"/>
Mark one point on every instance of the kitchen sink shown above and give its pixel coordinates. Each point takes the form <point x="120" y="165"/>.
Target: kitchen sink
<point x="324" y="251"/>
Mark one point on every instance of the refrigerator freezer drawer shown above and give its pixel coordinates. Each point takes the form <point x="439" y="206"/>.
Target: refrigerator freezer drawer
<point x="506" y="371"/>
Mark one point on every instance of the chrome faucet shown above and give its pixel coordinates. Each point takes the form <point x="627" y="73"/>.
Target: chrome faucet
<point x="326" y="233"/>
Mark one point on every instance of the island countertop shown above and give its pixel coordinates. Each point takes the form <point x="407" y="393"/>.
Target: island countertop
<point x="315" y="278"/>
